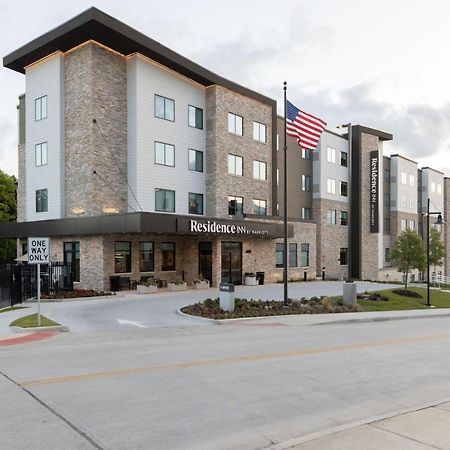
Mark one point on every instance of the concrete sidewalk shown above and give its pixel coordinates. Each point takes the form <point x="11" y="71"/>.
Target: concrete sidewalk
<point x="414" y="429"/>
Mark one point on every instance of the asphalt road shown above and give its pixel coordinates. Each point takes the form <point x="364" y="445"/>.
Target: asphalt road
<point x="245" y="385"/>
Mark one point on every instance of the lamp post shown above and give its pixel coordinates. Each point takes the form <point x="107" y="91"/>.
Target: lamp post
<point x="349" y="198"/>
<point x="438" y="222"/>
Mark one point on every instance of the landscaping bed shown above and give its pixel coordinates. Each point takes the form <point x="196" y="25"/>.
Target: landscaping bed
<point x="259" y="308"/>
<point x="76" y="293"/>
<point x="32" y="322"/>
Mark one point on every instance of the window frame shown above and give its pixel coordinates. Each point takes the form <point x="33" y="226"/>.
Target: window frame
<point x="165" y="146"/>
<point x="232" y="119"/>
<point x="157" y="190"/>
<point x="331" y="217"/>
<point x="38" y="148"/>
<point x="168" y="268"/>
<point x="331" y="155"/>
<point x="292" y="254"/>
<point x="257" y="168"/>
<point x="343" y="188"/>
<point x="343" y="256"/>
<point x="235" y="158"/>
<point x="195" y="108"/>
<point x="41" y="202"/>
<point x="279" y="250"/>
<point x="306" y="183"/>
<point x="304" y="216"/>
<point x="39" y="100"/>
<point x="201" y="203"/>
<point x="343" y="159"/>
<point x="260" y="127"/>
<point x="164" y="114"/>
<point x="128" y="257"/>
<point x="344" y="218"/>
<point x="304" y="250"/>
<point x="331" y="183"/>
<point x="257" y="208"/>
<point x="235" y="198"/>
<point x="196" y="152"/>
<point x="143" y="260"/>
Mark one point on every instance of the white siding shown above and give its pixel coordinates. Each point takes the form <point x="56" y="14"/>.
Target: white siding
<point x="403" y="193"/>
<point x="431" y="177"/>
<point x="45" y="78"/>
<point x="145" y="79"/>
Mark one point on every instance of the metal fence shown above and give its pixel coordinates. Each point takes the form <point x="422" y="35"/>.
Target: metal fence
<point x="18" y="282"/>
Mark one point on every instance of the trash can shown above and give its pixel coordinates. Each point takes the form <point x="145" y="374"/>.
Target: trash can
<point x="226" y="296"/>
<point x="259" y="277"/>
<point x="114" y="282"/>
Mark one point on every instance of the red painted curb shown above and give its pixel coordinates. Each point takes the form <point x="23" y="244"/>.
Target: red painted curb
<point x="28" y="338"/>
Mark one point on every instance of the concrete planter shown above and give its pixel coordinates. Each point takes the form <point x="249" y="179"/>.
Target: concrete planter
<point x="177" y="287"/>
<point x="141" y="289"/>
<point x="201" y="285"/>
<point x="250" y="281"/>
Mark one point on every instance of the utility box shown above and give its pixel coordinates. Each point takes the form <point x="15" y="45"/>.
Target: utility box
<point x="349" y="297"/>
<point x="226" y="296"/>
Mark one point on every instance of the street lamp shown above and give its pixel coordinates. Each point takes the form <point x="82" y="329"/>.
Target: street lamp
<point x="439" y="221"/>
<point x="349" y="198"/>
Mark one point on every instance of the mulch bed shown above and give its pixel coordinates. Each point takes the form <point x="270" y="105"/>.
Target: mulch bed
<point x="76" y="293"/>
<point x="259" y="308"/>
<point x="407" y="293"/>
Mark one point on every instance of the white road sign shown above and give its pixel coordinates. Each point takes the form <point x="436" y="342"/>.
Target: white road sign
<point x="38" y="250"/>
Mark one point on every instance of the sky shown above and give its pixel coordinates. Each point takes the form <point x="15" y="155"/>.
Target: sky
<point x="382" y="64"/>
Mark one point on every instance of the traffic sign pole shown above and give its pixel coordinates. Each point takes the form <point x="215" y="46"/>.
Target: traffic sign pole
<point x="39" y="295"/>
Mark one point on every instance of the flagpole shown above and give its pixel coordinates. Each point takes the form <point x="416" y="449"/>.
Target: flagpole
<point x="285" y="243"/>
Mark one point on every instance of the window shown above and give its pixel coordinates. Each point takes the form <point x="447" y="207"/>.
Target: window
<point x="331" y="217"/>
<point x="387" y="200"/>
<point x="40" y="151"/>
<point x="279" y="255"/>
<point x="411" y="180"/>
<point x="306" y="153"/>
<point x="40" y="108"/>
<point x="164" y="154"/>
<point x="403" y="201"/>
<point x="260" y="170"/>
<point x="41" y="200"/>
<point x="235" y="206"/>
<point x="411" y="203"/>
<point x="164" y="200"/>
<point x="278" y="177"/>
<point x="235" y="124"/>
<point x="146" y="257"/>
<point x="306" y="183"/>
<point x="433" y="186"/>
<point x="122" y="257"/>
<point x="344" y="218"/>
<point x="403" y="225"/>
<point x="235" y="165"/>
<point x="195" y="118"/>
<point x="387" y="175"/>
<point x="343" y="256"/>
<point x="259" y="132"/>
<point x="331" y="155"/>
<point x="304" y="255"/>
<point x="306" y="213"/>
<point x="412" y="224"/>
<point x="259" y="207"/>
<point x="72" y="258"/>
<point x="343" y="188"/>
<point x="331" y="186"/>
<point x="195" y="160"/>
<point x="387" y="255"/>
<point x="168" y="256"/>
<point x="292" y="255"/>
<point x="439" y="188"/>
<point x="195" y="203"/>
<point x="403" y="177"/>
<point x="344" y="161"/>
<point x="164" y="108"/>
<point x="387" y="224"/>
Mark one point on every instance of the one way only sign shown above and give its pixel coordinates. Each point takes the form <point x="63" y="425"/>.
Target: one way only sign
<point x="38" y="250"/>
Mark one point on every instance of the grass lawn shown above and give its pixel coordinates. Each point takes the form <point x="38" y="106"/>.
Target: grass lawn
<point x="12" y="308"/>
<point x="397" y="302"/>
<point x="31" y="321"/>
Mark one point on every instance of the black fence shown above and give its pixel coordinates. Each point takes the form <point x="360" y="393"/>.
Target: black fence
<point x="18" y="282"/>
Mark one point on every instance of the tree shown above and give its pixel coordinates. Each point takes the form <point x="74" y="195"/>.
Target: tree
<point x="437" y="248"/>
<point x="8" y="213"/>
<point x="408" y="253"/>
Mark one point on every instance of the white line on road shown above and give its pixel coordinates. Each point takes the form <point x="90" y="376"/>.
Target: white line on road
<point x="131" y="322"/>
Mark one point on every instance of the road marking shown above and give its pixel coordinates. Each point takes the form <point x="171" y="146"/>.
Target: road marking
<point x="27" y="338"/>
<point x="230" y="360"/>
<point x="131" y="322"/>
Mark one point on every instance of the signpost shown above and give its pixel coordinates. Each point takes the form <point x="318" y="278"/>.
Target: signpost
<point x="38" y="253"/>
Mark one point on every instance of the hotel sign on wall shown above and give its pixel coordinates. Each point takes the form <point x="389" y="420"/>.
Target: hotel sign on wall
<point x="374" y="191"/>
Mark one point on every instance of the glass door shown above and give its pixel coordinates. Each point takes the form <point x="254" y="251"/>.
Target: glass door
<point x="231" y="262"/>
<point x="205" y="260"/>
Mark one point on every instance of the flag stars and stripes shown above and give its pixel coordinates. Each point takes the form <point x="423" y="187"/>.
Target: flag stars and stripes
<point x="303" y="126"/>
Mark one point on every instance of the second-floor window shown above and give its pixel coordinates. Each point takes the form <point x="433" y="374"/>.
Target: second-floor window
<point x="259" y="170"/>
<point x="259" y="207"/>
<point x="41" y="200"/>
<point x="195" y="117"/>
<point x="164" y="108"/>
<point x="306" y="183"/>
<point x="344" y="218"/>
<point x="235" y="124"/>
<point x="331" y="186"/>
<point x="344" y="191"/>
<point x="306" y="213"/>
<point x="40" y="108"/>
<point x="235" y="205"/>
<point x="41" y="154"/>
<point x="331" y="217"/>
<point x="259" y="132"/>
<point x="331" y="155"/>
<point x="195" y="160"/>
<point x="164" y="200"/>
<point x="164" y="154"/>
<point x="344" y="161"/>
<point x="235" y="165"/>
<point x="195" y="203"/>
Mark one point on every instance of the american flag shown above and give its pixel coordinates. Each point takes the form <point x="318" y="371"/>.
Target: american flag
<point x="303" y="126"/>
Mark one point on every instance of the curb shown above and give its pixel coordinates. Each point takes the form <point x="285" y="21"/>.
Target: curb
<point x="75" y="299"/>
<point x="290" y="443"/>
<point x="56" y="328"/>
<point x="181" y="313"/>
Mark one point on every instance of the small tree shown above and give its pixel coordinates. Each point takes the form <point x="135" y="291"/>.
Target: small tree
<point x="8" y="213"/>
<point x="437" y="248"/>
<point x="408" y="253"/>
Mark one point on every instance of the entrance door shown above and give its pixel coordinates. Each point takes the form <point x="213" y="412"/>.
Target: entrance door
<point x="205" y="260"/>
<point x="232" y="262"/>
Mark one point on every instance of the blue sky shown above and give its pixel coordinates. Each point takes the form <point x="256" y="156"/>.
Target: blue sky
<point x="382" y="64"/>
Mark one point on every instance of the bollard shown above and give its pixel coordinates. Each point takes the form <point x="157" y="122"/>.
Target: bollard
<point x="226" y="296"/>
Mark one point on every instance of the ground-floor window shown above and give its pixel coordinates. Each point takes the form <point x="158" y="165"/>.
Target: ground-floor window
<point x="279" y="255"/>
<point x="343" y="256"/>
<point x="146" y="257"/>
<point x="168" y="256"/>
<point x="292" y="255"/>
<point x="72" y="257"/>
<point x="195" y="203"/>
<point x="122" y="257"/>
<point x="304" y="255"/>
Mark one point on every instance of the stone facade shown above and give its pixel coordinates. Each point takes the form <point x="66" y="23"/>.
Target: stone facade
<point x="95" y="89"/>
<point x="330" y="239"/>
<point x="220" y="142"/>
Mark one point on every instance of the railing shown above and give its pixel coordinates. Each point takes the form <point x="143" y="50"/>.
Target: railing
<point x="439" y="279"/>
